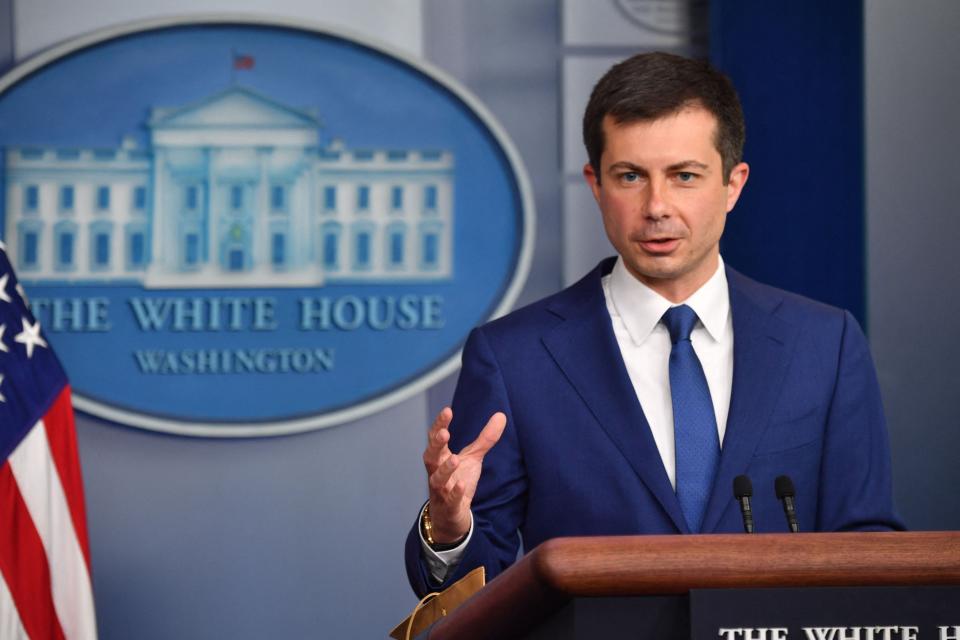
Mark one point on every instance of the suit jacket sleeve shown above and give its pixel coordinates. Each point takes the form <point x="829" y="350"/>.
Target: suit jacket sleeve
<point x="856" y="485"/>
<point x="500" y="502"/>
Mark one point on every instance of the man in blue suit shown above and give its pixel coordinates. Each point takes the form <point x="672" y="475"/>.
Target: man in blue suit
<point x="628" y="403"/>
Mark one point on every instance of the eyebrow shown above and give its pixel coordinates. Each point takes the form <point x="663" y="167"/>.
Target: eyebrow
<point x="677" y="166"/>
<point x="688" y="164"/>
<point x="629" y="166"/>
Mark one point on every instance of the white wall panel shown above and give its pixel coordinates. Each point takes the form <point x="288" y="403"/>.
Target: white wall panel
<point x="913" y="228"/>
<point x="580" y="73"/>
<point x="584" y="240"/>
<point x="650" y="23"/>
<point x="42" y="23"/>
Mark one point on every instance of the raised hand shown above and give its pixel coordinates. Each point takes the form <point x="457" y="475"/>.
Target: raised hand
<point x="453" y="477"/>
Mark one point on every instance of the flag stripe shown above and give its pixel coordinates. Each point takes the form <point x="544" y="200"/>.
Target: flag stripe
<point x="62" y="436"/>
<point x="45" y="587"/>
<point x="10" y="626"/>
<point x="36" y="476"/>
<point x="23" y="563"/>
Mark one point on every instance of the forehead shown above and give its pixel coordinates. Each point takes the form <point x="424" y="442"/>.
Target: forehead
<point x="687" y="134"/>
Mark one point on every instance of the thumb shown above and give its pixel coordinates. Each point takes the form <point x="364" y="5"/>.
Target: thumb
<point x="489" y="436"/>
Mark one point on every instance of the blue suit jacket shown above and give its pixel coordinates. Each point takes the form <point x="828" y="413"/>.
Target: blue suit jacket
<point x="577" y="456"/>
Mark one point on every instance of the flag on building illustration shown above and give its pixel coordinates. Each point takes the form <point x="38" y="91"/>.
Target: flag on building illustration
<point x="45" y="584"/>
<point x="242" y="61"/>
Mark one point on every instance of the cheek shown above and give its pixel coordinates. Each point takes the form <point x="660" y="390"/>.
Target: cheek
<point x="617" y="231"/>
<point x="711" y="217"/>
<point x="617" y="207"/>
<point x="611" y="226"/>
<point x="616" y="214"/>
<point x="715" y="226"/>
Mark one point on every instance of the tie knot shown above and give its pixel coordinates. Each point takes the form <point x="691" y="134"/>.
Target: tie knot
<point x="679" y="321"/>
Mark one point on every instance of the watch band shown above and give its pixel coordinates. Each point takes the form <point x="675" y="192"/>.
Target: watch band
<point x="426" y="530"/>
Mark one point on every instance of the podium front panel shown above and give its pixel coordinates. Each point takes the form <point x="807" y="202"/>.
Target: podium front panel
<point x="826" y="613"/>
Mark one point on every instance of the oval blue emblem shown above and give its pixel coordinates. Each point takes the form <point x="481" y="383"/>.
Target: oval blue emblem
<point x="232" y="227"/>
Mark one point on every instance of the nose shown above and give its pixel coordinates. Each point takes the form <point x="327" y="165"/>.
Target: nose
<point x="657" y="206"/>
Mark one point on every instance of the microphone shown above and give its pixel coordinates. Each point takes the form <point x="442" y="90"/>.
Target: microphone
<point x="742" y="491"/>
<point x="785" y="494"/>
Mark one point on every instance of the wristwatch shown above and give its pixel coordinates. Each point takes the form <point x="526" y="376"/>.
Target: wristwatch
<point x="426" y="530"/>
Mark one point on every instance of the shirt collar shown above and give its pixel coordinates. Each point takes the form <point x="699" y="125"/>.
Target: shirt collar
<point x="641" y="308"/>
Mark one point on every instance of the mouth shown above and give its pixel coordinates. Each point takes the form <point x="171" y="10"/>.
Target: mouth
<point x="659" y="246"/>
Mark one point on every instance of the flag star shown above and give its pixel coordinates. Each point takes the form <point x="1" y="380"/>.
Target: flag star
<point x="2" y="399"/>
<point x="3" y="247"/>
<point x="3" y="288"/>
<point x="3" y="345"/>
<point x="30" y="337"/>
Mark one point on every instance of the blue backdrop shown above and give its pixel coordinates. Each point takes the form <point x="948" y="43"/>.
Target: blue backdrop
<point x="799" y="69"/>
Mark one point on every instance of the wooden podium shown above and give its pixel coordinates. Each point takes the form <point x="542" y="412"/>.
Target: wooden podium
<point x="534" y="598"/>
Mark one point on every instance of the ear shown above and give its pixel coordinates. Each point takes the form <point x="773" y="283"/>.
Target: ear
<point x="738" y="178"/>
<point x="593" y="180"/>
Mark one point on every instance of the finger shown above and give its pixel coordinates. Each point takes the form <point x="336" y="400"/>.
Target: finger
<point x="442" y="421"/>
<point x="454" y="492"/>
<point x="439" y="434"/>
<point x="489" y="436"/>
<point x="441" y="479"/>
<point x="443" y="488"/>
<point x="437" y="450"/>
<point x="437" y="439"/>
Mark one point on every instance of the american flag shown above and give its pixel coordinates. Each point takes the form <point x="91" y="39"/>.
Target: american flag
<point x="45" y="586"/>
<point x="243" y="61"/>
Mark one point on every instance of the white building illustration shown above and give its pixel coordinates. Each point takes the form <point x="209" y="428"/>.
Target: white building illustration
<point x="233" y="191"/>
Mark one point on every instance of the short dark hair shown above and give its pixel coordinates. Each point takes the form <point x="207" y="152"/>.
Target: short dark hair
<point x="649" y="86"/>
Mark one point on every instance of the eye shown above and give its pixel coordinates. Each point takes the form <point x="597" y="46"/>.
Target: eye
<point x="686" y="176"/>
<point x="630" y="177"/>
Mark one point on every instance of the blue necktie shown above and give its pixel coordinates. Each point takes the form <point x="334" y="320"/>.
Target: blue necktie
<point x="694" y="423"/>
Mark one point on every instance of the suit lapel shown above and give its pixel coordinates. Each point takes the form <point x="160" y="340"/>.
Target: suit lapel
<point x="762" y="347"/>
<point x="585" y="349"/>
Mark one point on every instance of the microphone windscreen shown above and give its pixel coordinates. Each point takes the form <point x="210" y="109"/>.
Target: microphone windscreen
<point x="742" y="487"/>
<point x="784" y="487"/>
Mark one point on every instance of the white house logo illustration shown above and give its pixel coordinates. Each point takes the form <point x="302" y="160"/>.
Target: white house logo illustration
<point x="230" y="192"/>
<point x="296" y="244"/>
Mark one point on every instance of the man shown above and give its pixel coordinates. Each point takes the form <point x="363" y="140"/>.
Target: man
<point x="627" y="403"/>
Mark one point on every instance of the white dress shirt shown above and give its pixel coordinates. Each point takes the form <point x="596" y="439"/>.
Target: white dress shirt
<point x="644" y="342"/>
<point x="635" y="312"/>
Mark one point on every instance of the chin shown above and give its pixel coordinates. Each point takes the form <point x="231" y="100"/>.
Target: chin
<point x="654" y="272"/>
<point x="657" y="266"/>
